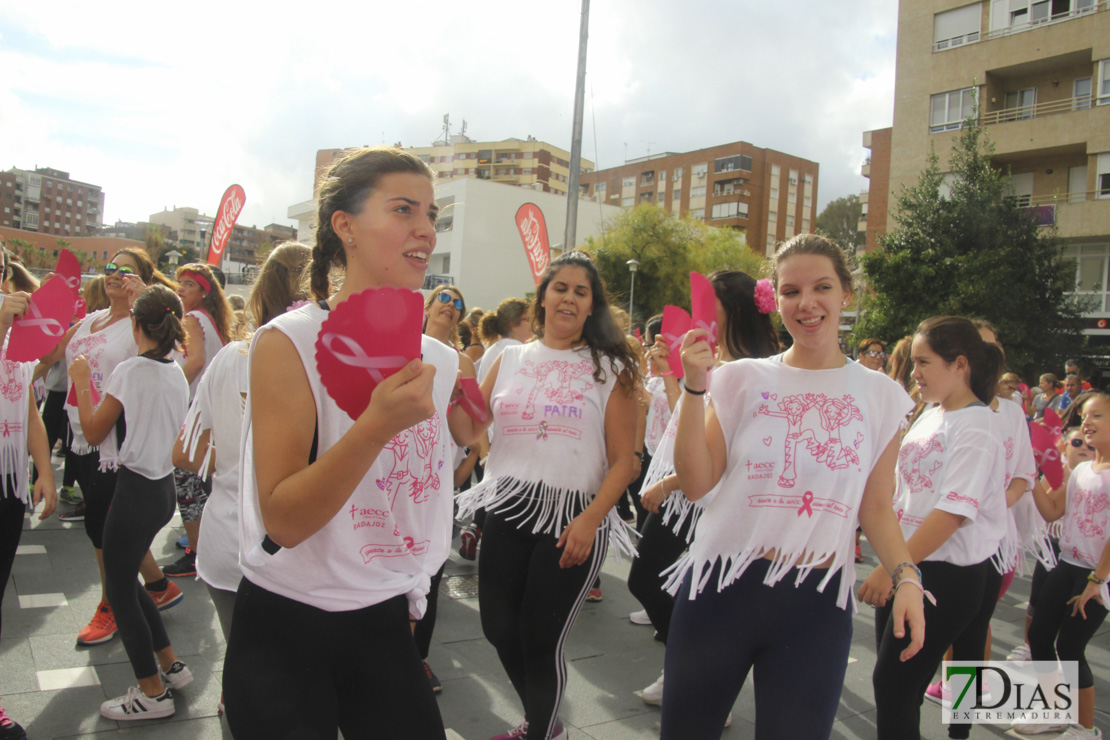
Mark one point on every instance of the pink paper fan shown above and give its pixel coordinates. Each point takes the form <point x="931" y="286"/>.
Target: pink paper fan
<point x="472" y="400"/>
<point x="676" y="322"/>
<point x="71" y="399"/>
<point x="44" y="324"/>
<point x="69" y="270"/>
<point x="1046" y="454"/>
<point x="364" y="340"/>
<point x="1054" y="424"/>
<point x="703" y="307"/>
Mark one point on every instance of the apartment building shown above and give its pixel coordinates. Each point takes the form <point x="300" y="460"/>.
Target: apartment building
<point x="770" y="195"/>
<point x="1037" y="74"/>
<point x="188" y="227"/>
<point x="875" y="201"/>
<point x="522" y="162"/>
<point x="47" y="201"/>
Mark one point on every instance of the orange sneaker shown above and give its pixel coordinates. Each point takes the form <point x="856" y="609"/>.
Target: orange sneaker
<point x="101" y="629"/>
<point x="169" y="596"/>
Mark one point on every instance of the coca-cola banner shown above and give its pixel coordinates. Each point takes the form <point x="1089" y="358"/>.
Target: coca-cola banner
<point x="231" y="205"/>
<point x="533" y="230"/>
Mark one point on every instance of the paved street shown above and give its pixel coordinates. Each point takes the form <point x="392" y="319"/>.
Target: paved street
<point x="54" y="689"/>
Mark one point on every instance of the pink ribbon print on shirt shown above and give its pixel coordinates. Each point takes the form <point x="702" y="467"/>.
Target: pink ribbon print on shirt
<point x="562" y="385"/>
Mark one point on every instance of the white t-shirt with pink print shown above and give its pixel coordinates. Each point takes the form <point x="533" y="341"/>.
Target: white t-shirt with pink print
<point x="1086" y="521"/>
<point x="104" y="349"/>
<point x="801" y="445"/>
<point x="658" y="414"/>
<point x="954" y="461"/>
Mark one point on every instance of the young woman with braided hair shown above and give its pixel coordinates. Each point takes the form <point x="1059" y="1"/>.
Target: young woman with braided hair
<point x="144" y="404"/>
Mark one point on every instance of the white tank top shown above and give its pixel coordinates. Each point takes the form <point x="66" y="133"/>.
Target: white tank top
<point x="15" y="384"/>
<point x="394" y="532"/>
<point x="212" y="344"/>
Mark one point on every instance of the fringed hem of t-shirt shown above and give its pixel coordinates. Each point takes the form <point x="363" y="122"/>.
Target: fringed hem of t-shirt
<point x="676" y="509"/>
<point x="108" y="463"/>
<point x="1008" y="555"/>
<point x="549" y="509"/>
<point x="733" y="566"/>
<point x="191" y="431"/>
<point x="1040" y="547"/>
<point x="82" y="447"/>
<point x="13" y="459"/>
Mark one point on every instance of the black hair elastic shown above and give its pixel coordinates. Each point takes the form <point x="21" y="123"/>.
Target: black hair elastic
<point x="691" y="391"/>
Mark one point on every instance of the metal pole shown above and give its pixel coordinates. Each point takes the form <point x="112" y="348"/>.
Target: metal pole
<point x="632" y="295"/>
<point x="576" y="134"/>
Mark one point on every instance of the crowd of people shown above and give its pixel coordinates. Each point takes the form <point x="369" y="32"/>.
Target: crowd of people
<point x="735" y="469"/>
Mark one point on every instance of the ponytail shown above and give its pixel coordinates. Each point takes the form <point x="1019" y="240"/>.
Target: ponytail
<point x="158" y="312"/>
<point x="498" y="324"/>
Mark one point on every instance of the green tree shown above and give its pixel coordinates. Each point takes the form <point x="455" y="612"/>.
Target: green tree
<point x="973" y="251"/>
<point x="840" y="222"/>
<point x="668" y="249"/>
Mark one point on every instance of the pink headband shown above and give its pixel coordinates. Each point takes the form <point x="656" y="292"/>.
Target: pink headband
<point x="200" y="279"/>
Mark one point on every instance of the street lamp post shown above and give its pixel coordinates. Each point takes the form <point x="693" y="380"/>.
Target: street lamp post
<point x="633" y="265"/>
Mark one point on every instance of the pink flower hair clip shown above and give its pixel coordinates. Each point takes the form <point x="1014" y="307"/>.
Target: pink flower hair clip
<point x="296" y="304"/>
<point x="765" y="296"/>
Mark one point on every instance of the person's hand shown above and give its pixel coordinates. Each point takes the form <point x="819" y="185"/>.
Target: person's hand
<point x="876" y="589"/>
<point x="45" y="490"/>
<point x="697" y="358"/>
<point x="402" y="400"/>
<point x="909" y="609"/>
<point x="80" y="372"/>
<point x="1079" y="602"/>
<point x="653" y="497"/>
<point x="134" y="286"/>
<point x="14" y="305"/>
<point x="576" y="541"/>
<point x="659" y="356"/>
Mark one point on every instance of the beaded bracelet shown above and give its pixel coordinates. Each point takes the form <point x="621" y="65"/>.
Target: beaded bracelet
<point x="894" y="574"/>
<point x="925" y="594"/>
<point x="1095" y="579"/>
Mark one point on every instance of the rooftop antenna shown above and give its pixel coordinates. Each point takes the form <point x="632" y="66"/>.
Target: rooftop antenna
<point x="463" y="132"/>
<point x="649" y="143"/>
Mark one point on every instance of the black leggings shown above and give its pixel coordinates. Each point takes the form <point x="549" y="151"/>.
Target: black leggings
<point x="355" y="671"/>
<point x="972" y="643"/>
<point x="960" y="591"/>
<point x="424" y="628"/>
<point x="11" y="529"/>
<point x="98" y="488"/>
<point x="795" y="637"/>
<point x="1040" y="575"/>
<point x="658" y="549"/>
<point x="528" y="606"/>
<point x="56" y="421"/>
<point x="1053" y="622"/>
<point x="140" y="508"/>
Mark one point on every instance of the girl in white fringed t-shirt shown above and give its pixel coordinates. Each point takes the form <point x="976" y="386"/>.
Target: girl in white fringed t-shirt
<point x="803" y="446"/>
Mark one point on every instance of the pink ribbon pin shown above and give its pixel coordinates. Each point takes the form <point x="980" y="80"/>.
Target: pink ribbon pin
<point x="807" y="501"/>
<point x="359" y="358"/>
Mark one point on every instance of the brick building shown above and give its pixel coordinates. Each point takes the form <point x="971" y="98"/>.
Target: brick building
<point x="47" y="201"/>
<point x="770" y="195"/>
<point x="876" y="199"/>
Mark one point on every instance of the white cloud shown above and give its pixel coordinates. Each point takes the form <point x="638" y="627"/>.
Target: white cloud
<point x="164" y="106"/>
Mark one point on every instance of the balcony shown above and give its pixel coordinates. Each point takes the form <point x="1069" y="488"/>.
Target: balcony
<point x="952" y="43"/>
<point x="865" y="170"/>
<point x="431" y="282"/>
<point x="1076" y="215"/>
<point x="1025" y="112"/>
<point x="1041" y="21"/>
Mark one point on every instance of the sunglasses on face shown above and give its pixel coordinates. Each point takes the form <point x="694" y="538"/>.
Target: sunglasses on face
<point x="445" y="298"/>
<point x="875" y="353"/>
<point x="112" y="268"/>
<point x="1078" y="442"/>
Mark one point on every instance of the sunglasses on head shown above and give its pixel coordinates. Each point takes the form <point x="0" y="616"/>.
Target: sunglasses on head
<point x="875" y="353"/>
<point x="445" y="298"/>
<point x="112" y="268"/>
<point x="1078" y="442"/>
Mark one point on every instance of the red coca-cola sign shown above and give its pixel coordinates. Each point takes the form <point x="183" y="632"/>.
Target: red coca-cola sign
<point x="231" y="205"/>
<point x="533" y="231"/>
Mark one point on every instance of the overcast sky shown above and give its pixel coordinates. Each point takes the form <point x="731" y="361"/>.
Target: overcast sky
<point x="166" y="104"/>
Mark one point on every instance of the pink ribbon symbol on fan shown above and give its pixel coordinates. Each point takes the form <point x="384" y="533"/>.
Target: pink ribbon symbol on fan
<point x="807" y="501"/>
<point x="34" y="317"/>
<point x="359" y="358"/>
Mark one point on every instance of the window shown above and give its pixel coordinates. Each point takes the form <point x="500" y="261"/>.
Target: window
<point x="805" y="224"/>
<point x="698" y="213"/>
<point x="629" y="182"/>
<point x="628" y="202"/>
<point x="1104" y="82"/>
<point x="647" y="178"/>
<point x="700" y="170"/>
<point x="807" y="201"/>
<point x="1023" y="188"/>
<point x="1102" y="176"/>
<point x="735" y="162"/>
<point x="646" y="197"/>
<point x="948" y="111"/>
<point x="677" y="174"/>
<point x="790" y="221"/>
<point x="599" y="188"/>
<point x="1019" y="104"/>
<point x="676" y="193"/>
<point x="956" y="27"/>
<point x="79" y="204"/>
<point x="730" y="210"/>
<point x="791" y="197"/>
<point x="808" y="179"/>
<point x="1081" y="93"/>
<point x="697" y="192"/>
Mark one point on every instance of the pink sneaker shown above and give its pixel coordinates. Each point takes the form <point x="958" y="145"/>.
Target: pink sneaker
<point x="519" y="731"/>
<point x="939" y="693"/>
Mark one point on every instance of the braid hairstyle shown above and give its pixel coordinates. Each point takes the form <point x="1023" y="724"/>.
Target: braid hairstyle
<point x="280" y="282"/>
<point x="158" y="313"/>
<point x="147" y="272"/>
<point x="600" y="332"/>
<point x="345" y="188"/>
<point x="215" y="301"/>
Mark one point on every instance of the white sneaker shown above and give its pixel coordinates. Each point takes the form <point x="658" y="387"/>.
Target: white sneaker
<point x="1034" y="729"/>
<point x="1020" y="654"/>
<point x="177" y="677"/>
<point x="137" y="705"/>
<point x="640" y="617"/>
<point x="653" y="694"/>
<point x="1079" y="732"/>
